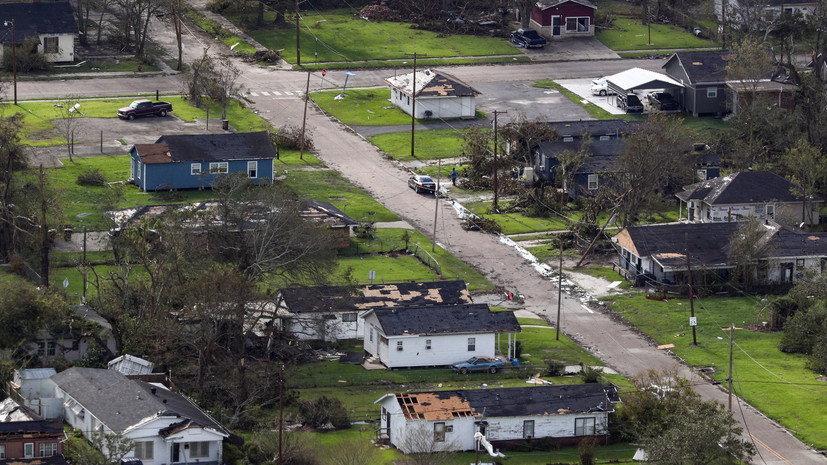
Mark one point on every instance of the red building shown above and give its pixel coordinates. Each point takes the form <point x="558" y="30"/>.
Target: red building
<point x="563" y="18"/>
<point x="31" y="439"/>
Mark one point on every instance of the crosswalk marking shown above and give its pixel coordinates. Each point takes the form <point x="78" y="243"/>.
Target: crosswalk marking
<point x="275" y="92"/>
<point x="254" y="94"/>
<point x="265" y="93"/>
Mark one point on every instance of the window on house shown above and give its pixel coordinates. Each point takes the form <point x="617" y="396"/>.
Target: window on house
<point x="439" y="432"/>
<point x="604" y="137"/>
<point x="2" y="452"/>
<point x="472" y="344"/>
<point x="398" y="345"/>
<point x="584" y="426"/>
<point x="371" y="334"/>
<point x="50" y="45"/>
<point x="51" y="348"/>
<point x="28" y="449"/>
<point x="199" y="449"/>
<point x="593" y="184"/>
<point x="48" y="449"/>
<point x="799" y="263"/>
<point x="252" y="169"/>
<point x="219" y="167"/>
<point x="409" y="100"/>
<point x="195" y="169"/>
<point x="428" y="344"/>
<point x="770" y="211"/>
<point x="577" y="24"/>
<point x="145" y="450"/>
<point x="711" y="92"/>
<point x="41" y="349"/>
<point x="701" y="175"/>
<point x="528" y="429"/>
<point x="348" y="317"/>
<point x="568" y="139"/>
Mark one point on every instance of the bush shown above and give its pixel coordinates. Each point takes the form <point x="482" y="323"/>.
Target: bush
<point x="518" y="349"/>
<point x="378" y="13"/>
<point x="589" y="374"/>
<point x="323" y="411"/>
<point x="587" y="449"/>
<point x="289" y="137"/>
<point x="28" y="59"/>
<point x="555" y="368"/>
<point x="91" y="177"/>
<point x="365" y="230"/>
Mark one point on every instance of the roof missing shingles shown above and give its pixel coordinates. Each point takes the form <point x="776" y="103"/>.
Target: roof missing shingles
<point x="429" y="406"/>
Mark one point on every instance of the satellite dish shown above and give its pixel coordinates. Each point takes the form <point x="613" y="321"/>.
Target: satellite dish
<point x="65" y="283"/>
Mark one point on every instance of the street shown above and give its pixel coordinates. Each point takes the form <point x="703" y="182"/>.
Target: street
<point x="275" y="95"/>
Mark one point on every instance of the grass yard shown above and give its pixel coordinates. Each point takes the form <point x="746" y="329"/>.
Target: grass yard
<point x="341" y="37"/>
<point x="430" y="144"/>
<point x="539" y="345"/>
<point x="421" y="62"/>
<point x="361" y="107"/>
<point x="780" y="386"/>
<point x="631" y="34"/>
<point x="330" y="186"/>
<point x="105" y="66"/>
<point x="389" y="239"/>
<point x="216" y="30"/>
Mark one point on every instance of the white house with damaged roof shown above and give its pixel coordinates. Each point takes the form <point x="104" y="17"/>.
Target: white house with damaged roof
<point x="417" y="422"/>
<point x="434" y="336"/>
<point x="433" y="94"/>
<point x="167" y="427"/>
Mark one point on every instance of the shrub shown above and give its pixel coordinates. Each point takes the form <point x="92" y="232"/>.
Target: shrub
<point x="590" y="374"/>
<point x="378" y="13"/>
<point x="365" y="230"/>
<point x="587" y="449"/>
<point x="518" y="349"/>
<point x="91" y="177"/>
<point x="555" y="367"/>
<point x="323" y="411"/>
<point x="289" y="137"/>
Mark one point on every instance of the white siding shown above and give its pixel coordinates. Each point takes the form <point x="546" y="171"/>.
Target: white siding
<point x="320" y="326"/>
<point x="440" y="107"/>
<point x="545" y="426"/>
<point x="65" y="45"/>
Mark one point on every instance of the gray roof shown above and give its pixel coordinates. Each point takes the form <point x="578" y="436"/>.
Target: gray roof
<point x="31" y="19"/>
<point x="455" y="319"/>
<point x="595" y="128"/>
<point x="546" y="4"/>
<point x="219" y="147"/>
<point x="37" y="373"/>
<point x="119" y="402"/>
<point x="741" y="188"/>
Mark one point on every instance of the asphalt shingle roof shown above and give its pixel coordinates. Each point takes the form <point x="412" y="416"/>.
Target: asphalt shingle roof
<point x="740" y="188"/>
<point x="210" y="147"/>
<point x="704" y="66"/>
<point x="119" y="402"/>
<point x="474" y="318"/>
<point x="338" y="298"/>
<point x="595" y="128"/>
<point x="431" y="83"/>
<point x="31" y="19"/>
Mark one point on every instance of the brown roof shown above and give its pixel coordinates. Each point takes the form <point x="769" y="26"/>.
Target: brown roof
<point x="429" y="406"/>
<point x="154" y="153"/>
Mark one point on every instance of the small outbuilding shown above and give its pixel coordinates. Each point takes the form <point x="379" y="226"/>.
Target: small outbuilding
<point x="639" y="79"/>
<point x="433" y="94"/>
<point x="557" y="19"/>
<point x="436" y="336"/>
<point x="196" y="161"/>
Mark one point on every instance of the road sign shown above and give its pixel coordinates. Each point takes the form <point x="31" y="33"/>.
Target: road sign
<point x="693" y="321"/>
<point x="324" y="72"/>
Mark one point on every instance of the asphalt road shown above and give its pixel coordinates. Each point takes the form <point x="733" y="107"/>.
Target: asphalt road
<point x="618" y="346"/>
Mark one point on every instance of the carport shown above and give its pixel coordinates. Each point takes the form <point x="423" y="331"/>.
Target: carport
<point x="634" y="79"/>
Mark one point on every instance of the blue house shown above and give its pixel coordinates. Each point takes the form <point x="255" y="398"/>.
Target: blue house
<point x="196" y="161"/>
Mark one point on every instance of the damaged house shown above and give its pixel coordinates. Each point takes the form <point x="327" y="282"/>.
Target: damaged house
<point x="421" y="422"/>
<point x="433" y="94"/>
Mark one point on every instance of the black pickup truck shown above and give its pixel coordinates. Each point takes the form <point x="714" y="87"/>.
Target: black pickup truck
<point x="144" y="108"/>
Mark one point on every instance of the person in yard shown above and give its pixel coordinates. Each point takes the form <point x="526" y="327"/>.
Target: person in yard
<point x="454" y="177"/>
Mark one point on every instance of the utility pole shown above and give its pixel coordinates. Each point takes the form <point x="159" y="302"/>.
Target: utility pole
<point x="692" y="321"/>
<point x="436" y="207"/>
<point x="495" y="207"/>
<point x="560" y="287"/>
<point x="731" y="336"/>
<point x="13" y="55"/>
<point x="177" y="14"/>
<point x="304" y="118"/>
<point x="44" y="231"/>
<point x="298" y="56"/>
<point x="84" y="265"/>
<point x="281" y="412"/>
<point x="413" y="99"/>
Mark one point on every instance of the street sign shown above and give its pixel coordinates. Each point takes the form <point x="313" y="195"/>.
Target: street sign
<point x="324" y="72"/>
<point x="693" y="321"/>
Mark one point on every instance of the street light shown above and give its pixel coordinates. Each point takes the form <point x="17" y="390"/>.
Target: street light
<point x="13" y="55"/>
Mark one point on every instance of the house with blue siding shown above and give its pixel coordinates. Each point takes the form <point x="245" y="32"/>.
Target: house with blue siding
<point x="197" y="161"/>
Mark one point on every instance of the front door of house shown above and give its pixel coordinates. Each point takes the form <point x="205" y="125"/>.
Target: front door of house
<point x="556" y="24"/>
<point x="176" y="452"/>
<point x="388" y="424"/>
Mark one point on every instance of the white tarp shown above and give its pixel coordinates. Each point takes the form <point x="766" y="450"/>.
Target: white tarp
<point x="638" y="78"/>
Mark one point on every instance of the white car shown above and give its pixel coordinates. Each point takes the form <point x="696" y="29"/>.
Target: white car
<point x="600" y="87"/>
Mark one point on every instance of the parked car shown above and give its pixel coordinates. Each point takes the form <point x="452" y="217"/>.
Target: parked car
<point x="662" y="101"/>
<point x="144" y="108"/>
<point x="478" y="364"/>
<point x="630" y="103"/>
<point x="420" y="182"/>
<point x="528" y="38"/>
<point x="601" y="87"/>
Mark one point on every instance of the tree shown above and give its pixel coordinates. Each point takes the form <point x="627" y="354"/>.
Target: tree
<point x="133" y="18"/>
<point x="113" y="446"/>
<point x="423" y="445"/>
<point x="225" y="86"/>
<point x="25" y="310"/>
<point x="524" y="134"/>
<point x="524" y="7"/>
<point x="69" y="122"/>
<point x="750" y="61"/>
<point x="702" y="434"/>
<point x="746" y="248"/>
<point x="570" y="161"/>
<point x="655" y="157"/>
<point x="806" y="166"/>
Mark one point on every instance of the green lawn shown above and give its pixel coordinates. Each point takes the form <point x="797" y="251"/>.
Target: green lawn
<point x="772" y="381"/>
<point x="105" y="66"/>
<point x="217" y="31"/>
<point x="430" y="144"/>
<point x="362" y="107"/>
<point x="330" y="186"/>
<point x="539" y="345"/>
<point x="435" y="62"/>
<point x="631" y="34"/>
<point x="341" y="37"/>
